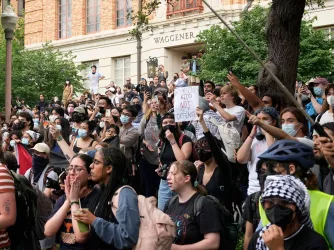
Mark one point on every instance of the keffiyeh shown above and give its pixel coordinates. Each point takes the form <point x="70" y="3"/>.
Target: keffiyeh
<point x="291" y="189"/>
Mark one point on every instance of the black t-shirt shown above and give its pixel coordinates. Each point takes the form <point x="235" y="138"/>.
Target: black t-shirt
<point x="216" y="185"/>
<point x="167" y="155"/>
<point x="67" y="237"/>
<point x="305" y="239"/>
<point x="191" y="229"/>
<point x="251" y="209"/>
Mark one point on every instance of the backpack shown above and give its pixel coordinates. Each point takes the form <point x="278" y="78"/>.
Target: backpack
<point x="230" y="229"/>
<point x="157" y="230"/>
<point x="43" y="208"/>
<point x="230" y="137"/>
<point x="23" y="232"/>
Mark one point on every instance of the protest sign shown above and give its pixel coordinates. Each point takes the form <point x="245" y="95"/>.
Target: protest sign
<point x="185" y="103"/>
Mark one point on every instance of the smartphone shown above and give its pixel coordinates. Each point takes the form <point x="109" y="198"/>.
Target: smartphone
<point x="230" y="69"/>
<point x="62" y="177"/>
<point x="108" y="113"/>
<point x="300" y="84"/>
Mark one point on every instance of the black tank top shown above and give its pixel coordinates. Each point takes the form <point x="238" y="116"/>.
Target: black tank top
<point x="76" y="149"/>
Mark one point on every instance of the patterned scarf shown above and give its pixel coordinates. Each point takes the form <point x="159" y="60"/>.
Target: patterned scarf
<point x="291" y="189"/>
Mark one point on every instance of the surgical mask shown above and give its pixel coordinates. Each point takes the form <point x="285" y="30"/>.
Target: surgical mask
<point x="279" y="215"/>
<point x="58" y="127"/>
<point x="12" y="143"/>
<point x="317" y="91"/>
<point x="330" y="100"/>
<point x="20" y="125"/>
<point x="290" y="129"/>
<point x="82" y="133"/>
<point x="101" y="124"/>
<point x="25" y="141"/>
<point x="52" y="118"/>
<point x="124" y="119"/>
<point x="36" y="120"/>
<point x="67" y="82"/>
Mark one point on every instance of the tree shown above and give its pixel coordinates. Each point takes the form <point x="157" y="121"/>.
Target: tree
<point x="37" y="72"/>
<point x="223" y="50"/>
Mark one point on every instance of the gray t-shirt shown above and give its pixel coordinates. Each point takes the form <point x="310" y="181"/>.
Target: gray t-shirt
<point x="151" y="135"/>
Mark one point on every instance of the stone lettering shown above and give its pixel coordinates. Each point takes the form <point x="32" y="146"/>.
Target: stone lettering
<point x="174" y="37"/>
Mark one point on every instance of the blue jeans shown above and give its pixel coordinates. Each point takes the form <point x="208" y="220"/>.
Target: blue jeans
<point x="164" y="194"/>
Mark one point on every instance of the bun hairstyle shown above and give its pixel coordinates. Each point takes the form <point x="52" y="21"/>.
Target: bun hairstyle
<point x="188" y="168"/>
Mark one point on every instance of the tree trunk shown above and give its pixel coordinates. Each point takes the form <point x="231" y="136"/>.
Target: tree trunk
<point x="282" y="32"/>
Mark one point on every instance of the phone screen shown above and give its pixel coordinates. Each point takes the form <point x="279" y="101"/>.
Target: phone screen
<point x="108" y="113"/>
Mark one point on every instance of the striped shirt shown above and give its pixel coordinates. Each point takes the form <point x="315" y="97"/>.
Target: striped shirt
<point x="6" y="186"/>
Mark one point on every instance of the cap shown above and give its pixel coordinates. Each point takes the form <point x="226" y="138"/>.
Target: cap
<point x="320" y="80"/>
<point x="42" y="148"/>
<point x="32" y="134"/>
<point x="79" y="110"/>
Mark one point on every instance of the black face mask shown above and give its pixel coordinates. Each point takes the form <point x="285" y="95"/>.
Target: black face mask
<point x="93" y="73"/>
<point x="115" y="118"/>
<point x="203" y="155"/>
<point x="259" y="136"/>
<point x="38" y="166"/>
<point x="137" y="107"/>
<point x="279" y="215"/>
<point x="102" y="110"/>
<point x="20" y="125"/>
<point x="171" y="128"/>
<point x="175" y="78"/>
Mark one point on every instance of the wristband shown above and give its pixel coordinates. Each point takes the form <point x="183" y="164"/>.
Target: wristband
<point x="74" y="202"/>
<point x="251" y="137"/>
<point x="59" y="138"/>
<point x="172" y="142"/>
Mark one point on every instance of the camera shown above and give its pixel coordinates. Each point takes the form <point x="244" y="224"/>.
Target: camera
<point x="164" y="171"/>
<point x="50" y="183"/>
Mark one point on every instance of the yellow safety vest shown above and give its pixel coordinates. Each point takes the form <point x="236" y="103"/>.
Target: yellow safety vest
<point x="320" y="203"/>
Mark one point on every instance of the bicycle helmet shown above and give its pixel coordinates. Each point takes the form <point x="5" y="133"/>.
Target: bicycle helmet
<point x="290" y="151"/>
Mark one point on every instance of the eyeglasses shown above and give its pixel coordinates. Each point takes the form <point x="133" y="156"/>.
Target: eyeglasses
<point x="75" y="170"/>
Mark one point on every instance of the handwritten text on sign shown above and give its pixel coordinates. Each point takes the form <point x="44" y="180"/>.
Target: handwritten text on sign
<point x="185" y="103"/>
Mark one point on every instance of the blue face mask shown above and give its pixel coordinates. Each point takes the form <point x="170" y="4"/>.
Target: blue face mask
<point x="36" y="120"/>
<point x="290" y="129"/>
<point x="82" y="133"/>
<point x="124" y="119"/>
<point x="25" y="141"/>
<point x="317" y="91"/>
<point x="12" y="143"/>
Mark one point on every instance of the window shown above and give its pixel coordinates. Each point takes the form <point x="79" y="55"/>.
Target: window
<point x="93" y="15"/>
<point x="87" y="70"/>
<point x="65" y="18"/>
<point x="124" y="8"/>
<point x="122" y="69"/>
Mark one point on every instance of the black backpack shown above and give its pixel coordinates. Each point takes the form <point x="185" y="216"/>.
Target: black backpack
<point x="22" y="232"/>
<point x="230" y="229"/>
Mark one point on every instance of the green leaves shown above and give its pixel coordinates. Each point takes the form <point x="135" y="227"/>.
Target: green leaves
<point x="222" y="50"/>
<point x="37" y="72"/>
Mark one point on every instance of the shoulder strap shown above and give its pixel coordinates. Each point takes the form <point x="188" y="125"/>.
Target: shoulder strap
<point x="115" y="198"/>
<point x="91" y="143"/>
<point x="30" y="175"/>
<point x="171" y="200"/>
<point x="198" y="204"/>
<point x="319" y="117"/>
<point x="181" y="140"/>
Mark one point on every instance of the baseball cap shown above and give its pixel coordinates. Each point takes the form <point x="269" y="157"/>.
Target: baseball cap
<point x="79" y="110"/>
<point x="41" y="148"/>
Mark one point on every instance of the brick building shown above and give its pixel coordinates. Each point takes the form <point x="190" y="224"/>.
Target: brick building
<point x="97" y="31"/>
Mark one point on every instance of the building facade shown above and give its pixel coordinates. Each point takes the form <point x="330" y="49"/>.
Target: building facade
<point x="97" y="31"/>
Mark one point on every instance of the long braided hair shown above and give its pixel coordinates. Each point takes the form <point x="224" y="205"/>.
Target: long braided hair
<point x="111" y="157"/>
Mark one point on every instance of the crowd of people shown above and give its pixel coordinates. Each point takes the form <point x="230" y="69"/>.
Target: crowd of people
<point x="278" y="185"/>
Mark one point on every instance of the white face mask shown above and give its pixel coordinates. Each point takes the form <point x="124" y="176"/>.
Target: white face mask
<point x="330" y="100"/>
<point x="102" y="124"/>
